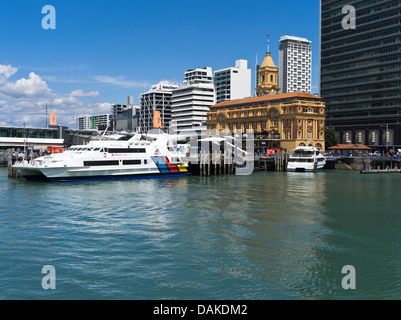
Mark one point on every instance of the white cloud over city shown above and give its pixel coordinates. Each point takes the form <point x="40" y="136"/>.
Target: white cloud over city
<point x="24" y="99"/>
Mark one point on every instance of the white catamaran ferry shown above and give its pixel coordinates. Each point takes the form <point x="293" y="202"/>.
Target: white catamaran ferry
<point x="306" y="159"/>
<point x="109" y="157"/>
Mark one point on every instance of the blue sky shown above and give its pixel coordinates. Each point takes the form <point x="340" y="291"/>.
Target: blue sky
<point x="103" y="51"/>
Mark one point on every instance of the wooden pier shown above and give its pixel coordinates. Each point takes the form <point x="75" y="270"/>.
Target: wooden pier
<point x="222" y="163"/>
<point x="212" y="163"/>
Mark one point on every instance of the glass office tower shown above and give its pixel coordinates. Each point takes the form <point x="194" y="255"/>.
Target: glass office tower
<point x="360" y="71"/>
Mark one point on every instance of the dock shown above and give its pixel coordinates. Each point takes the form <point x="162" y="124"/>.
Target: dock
<point x="10" y="158"/>
<point x="222" y="163"/>
<point x="381" y="171"/>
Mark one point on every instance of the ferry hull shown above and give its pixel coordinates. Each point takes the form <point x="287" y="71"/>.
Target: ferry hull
<point x="34" y="176"/>
<point x="305" y="169"/>
<point x="119" y="177"/>
<point x="30" y="174"/>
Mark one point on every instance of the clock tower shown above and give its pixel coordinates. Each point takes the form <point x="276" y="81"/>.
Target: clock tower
<point x="267" y="75"/>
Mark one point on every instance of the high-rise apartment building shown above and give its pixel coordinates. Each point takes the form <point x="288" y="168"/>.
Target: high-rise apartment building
<point x="360" y="76"/>
<point x="234" y="82"/>
<point x="99" y="122"/>
<point x="192" y="101"/>
<point x="295" y="64"/>
<point x="157" y="99"/>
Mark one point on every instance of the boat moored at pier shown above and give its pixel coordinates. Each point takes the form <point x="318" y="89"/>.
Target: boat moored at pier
<point x="306" y="159"/>
<point x="109" y="157"/>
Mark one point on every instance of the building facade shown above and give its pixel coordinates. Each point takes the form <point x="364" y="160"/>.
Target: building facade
<point x="286" y="120"/>
<point x="191" y="102"/>
<point x="360" y="76"/>
<point x="157" y="99"/>
<point x="125" y="117"/>
<point x="267" y="77"/>
<point x="295" y="65"/>
<point x="233" y="83"/>
<point x="98" y="122"/>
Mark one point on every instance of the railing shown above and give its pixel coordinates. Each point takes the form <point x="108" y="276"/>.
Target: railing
<point x="364" y="157"/>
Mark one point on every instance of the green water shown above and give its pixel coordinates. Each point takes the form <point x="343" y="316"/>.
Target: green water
<point x="265" y="236"/>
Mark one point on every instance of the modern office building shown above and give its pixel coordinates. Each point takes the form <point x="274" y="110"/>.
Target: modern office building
<point x="192" y="101"/>
<point x="360" y="72"/>
<point x="99" y="122"/>
<point x="157" y="99"/>
<point x="234" y="82"/>
<point x="295" y="64"/>
<point x="125" y="117"/>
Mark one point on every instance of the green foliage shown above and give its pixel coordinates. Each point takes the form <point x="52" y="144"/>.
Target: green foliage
<point x="332" y="139"/>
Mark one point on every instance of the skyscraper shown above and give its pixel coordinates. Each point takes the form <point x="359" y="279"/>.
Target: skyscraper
<point x="360" y="76"/>
<point x="295" y="64"/>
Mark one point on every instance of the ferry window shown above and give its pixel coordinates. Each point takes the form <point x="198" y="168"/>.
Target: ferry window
<point x="96" y="149"/>
<point x="128" y="150"/>
<point x="131" y="162"/>
<point x="101" y="163"/>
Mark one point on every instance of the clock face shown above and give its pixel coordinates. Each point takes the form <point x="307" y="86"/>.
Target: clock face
<point x="273" y="91"/>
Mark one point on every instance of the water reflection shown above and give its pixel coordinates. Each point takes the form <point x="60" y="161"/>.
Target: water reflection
<point x="359" y="227"/>
<point x="263" y="227"/>
<point x="265" y="236"/>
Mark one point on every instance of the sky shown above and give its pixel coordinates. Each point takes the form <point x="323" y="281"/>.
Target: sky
<point x="101" y="52"/>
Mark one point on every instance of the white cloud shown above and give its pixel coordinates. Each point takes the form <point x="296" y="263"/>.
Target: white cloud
<point x="81" y="93"/>
<point x="26" y="99"/>
<point x="33" y="86"/>
<point x="121" y="82"/>
<point x="6" y="72"/>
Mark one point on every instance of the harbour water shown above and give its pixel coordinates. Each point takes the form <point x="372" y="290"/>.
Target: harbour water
<point x="270" y="235"/>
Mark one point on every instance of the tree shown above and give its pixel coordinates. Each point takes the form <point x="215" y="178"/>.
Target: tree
<point x="332" y="138"/>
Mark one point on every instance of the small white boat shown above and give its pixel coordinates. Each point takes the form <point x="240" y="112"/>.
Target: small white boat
<point x="110" y="157"/>
<point x="306" y="159"/>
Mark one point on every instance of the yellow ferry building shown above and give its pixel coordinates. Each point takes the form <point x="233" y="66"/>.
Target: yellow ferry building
<point x="283" y="121"/>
